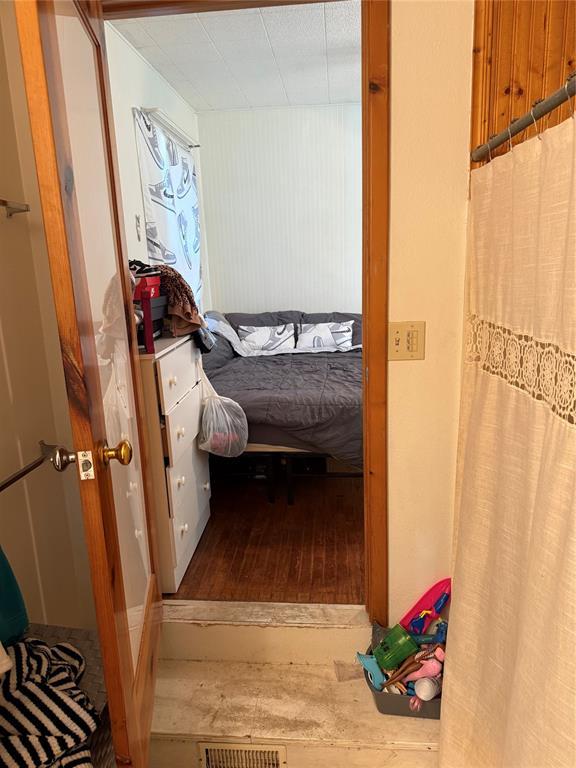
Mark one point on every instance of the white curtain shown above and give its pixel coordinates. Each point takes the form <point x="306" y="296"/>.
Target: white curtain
<point x="509" y="696"/>
<point x="171" y="202"/>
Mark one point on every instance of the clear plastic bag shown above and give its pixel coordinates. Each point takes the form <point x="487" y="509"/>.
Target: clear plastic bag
<point x="224" y="429"/>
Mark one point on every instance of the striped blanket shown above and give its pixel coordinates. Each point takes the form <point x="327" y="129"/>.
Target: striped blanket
<point x="45" y="719"/>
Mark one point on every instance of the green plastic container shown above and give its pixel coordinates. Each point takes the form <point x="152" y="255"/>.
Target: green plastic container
<point x="395" y="648"/>
<point x="13" y="616"/>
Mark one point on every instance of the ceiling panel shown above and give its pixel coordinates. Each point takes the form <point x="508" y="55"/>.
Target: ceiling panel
<point x="201" y="53"/>
<point x="236" y="25"/>
<point x="306" y="54"/>
<point x="343" y="26"/>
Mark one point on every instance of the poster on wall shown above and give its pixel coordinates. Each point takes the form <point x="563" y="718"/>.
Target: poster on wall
<point x="171" y="204"/>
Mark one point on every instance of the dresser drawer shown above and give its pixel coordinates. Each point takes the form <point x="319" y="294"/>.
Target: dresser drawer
<point x="182" y="531"/>
<point x="182" y="425"/>
<point x="187" y="525"/>
<point x="202" y="476"/>
<point x="177" y="372"/>
<point x="181" y="481"/>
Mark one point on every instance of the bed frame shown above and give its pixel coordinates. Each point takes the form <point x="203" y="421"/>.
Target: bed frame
<point x="287" y="454"/>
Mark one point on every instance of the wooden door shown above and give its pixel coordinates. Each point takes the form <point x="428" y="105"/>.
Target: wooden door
<point x="63" y="58"/>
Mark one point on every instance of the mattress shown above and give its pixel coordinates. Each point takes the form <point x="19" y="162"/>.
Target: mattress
<point x="312" y="402"/>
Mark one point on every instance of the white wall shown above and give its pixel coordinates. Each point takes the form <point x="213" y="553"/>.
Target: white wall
<point x="431" y="96"/>
<point x="135" y="83"/>
<point x="282" y="195"/>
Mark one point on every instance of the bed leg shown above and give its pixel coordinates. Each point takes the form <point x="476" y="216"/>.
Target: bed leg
<point x="271" y="479"/>
<point x="289" y="481"/>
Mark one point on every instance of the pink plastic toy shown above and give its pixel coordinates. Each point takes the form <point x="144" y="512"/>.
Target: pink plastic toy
<point x="429" y="668"/>
<point x="428" y="608"/>
<point x="426" y="663"/>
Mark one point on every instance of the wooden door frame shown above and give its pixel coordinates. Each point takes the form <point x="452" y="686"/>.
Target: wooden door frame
<point x="130" y="9"/>
<point x="376" y="204"/>
<point x="375" y="291"/>
<point x="129" y="685"/>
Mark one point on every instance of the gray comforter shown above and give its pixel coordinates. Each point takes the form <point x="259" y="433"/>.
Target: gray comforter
<point x="307" y="401"/>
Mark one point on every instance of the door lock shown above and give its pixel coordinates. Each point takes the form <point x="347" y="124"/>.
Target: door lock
<point x="122" y="453"/>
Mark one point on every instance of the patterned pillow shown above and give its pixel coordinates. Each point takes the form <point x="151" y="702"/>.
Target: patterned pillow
<point x="325" y="337"/>
<point x="267" y="340"/>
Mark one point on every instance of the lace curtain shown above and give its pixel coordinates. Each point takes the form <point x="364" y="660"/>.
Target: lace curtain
<point x="510" y="679"/>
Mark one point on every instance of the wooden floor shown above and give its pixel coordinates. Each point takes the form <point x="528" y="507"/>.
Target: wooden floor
<point x="254" y="550"/>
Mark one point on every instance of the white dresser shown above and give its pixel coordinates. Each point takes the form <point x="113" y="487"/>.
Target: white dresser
<point x="179" y="469"/>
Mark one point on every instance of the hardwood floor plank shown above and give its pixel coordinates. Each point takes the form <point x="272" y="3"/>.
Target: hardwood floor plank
<point x="254" y="550"/>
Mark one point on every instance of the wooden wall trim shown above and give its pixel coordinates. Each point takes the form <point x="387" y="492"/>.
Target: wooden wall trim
<point x="126" y="9"/>
<point x="523" y="51"/>
<point x="376" y="205"/>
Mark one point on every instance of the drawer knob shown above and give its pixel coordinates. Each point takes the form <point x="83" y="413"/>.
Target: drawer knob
<point x="206" y="486"/>
<point x="172" y="381"/>
<point x="184" y="528"/>
<point x="180" y="432"/>
<point x="181" y="481"/>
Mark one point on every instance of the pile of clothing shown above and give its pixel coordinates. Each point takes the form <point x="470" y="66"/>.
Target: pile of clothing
<point x="183" y="314"/>
<point x="45" y="718"/>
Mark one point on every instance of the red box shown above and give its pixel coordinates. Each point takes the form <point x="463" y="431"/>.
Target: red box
<point x="150" y="283"/>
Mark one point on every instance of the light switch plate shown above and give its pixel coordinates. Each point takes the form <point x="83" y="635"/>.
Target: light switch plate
<point x="406" y="341"/>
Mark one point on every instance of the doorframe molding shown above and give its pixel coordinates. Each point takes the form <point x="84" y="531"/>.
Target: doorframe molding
<point x="375" y="291"/>
<point x="375" y="259"/>
<point x="130" y="9"/>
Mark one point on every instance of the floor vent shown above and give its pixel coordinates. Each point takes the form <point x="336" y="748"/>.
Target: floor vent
<point x="227" y="755"/>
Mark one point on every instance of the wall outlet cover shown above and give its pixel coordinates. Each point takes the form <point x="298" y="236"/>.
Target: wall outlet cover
<point x="407" y="340"/>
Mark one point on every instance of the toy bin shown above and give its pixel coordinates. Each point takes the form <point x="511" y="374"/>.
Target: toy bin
<point x="395" y="704"/>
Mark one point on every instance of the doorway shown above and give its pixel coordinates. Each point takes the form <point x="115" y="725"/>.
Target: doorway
<point x="244" y="543"/>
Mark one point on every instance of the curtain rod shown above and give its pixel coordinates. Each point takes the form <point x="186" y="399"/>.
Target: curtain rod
<point x="539" y="109"/>
<point x="162" y="118"/>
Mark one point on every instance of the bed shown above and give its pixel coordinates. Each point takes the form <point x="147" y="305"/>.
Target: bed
<point x="305" y="402"/>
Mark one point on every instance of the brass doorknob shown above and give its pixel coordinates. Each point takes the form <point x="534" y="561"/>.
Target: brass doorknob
<point x="122" y="453"/>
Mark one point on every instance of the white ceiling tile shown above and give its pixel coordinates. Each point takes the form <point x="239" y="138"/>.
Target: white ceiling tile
<point x="294" y="49"/>
<point x="267" y="97"/>
<point x="306" y="54"/>
<point x="305" y="22"/>
<point x="247" y="50"/>
<point x="305" y="66"/>
<point x="254" y="70"/>
<point x="264" y="89"/>
<point x="168" y="30"/>
<point x="343" y="26"/>
<point x="191" y="95"/>
<point x="133" y="31"/>
<point x="213" y="72"/>
<point x="170" y="71"/>
<point x="223" y="27"/>
<point x="197" y="53"/>
<point x="301" y="93"/>
<point x="345" y="79"/>
<point x="154" y="55"/>
<point x="226" y="99"/>
<point x="305" y="79"/>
